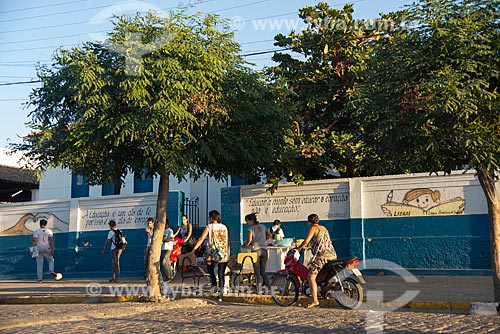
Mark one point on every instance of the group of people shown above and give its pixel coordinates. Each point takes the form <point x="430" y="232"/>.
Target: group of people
<point x="185" y="232"/>
<point x="318" y="239"/>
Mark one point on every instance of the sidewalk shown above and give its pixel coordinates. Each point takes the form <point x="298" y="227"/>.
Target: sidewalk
<point x="455" y="293"/>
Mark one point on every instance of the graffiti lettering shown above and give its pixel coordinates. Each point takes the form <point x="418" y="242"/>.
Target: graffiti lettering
<point x="286" y="209"/>
<point x="402" y="213"/>
<point x="131" y="217"/>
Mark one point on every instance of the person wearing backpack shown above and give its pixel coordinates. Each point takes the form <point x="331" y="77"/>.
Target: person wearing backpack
<point x="115" y="237"/>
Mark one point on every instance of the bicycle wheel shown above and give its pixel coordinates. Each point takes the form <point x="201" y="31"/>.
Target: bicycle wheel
<point x="243" y="282"/>
<point x="284" y="291"/>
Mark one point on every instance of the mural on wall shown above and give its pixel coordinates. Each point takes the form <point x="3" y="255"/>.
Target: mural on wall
<point x="297" y="206"/>
<point x="126" y="217"/>
<point x="421" y="202"/>
<point x="29" y="222"/>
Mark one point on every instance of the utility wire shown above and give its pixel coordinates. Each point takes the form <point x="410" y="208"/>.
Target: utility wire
<point x="38" y="7"/>
<point x="240" y="6"/>
<point x="20" y="83"/>
<point x="60" y="13"/>
<point x="51" y="38"/>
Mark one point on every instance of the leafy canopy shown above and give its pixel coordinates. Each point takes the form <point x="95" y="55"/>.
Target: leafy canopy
<point x="160" y="96"/>
<point x="431" y="97"/>
<point x="328" y="58"/>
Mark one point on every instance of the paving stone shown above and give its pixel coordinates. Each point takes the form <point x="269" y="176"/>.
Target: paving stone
<point x="201" y="316"/>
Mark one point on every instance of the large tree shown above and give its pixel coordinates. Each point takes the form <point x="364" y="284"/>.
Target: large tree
<point x="327" y="58"/>
<point x="160" y="97"/>
<point x="431" y="99"/>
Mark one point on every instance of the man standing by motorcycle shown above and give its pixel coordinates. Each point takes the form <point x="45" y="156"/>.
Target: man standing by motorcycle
<point x="322" y="251"/>
<point x="166" y="249"/>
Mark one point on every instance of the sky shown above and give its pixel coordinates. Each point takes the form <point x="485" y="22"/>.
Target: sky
<point x="31" y="30"/>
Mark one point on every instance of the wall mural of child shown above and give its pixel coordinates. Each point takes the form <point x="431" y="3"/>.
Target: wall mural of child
<point x="421" y="202"/>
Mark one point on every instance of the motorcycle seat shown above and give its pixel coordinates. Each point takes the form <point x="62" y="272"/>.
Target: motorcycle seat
<point x="343" y="261"/>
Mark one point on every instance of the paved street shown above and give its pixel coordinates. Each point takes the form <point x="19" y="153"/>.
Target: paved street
<point x="201" y="316"/>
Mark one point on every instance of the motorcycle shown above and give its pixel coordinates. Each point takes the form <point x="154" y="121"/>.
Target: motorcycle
<point x="337" y="279"/>
<point x="175" y="253"/>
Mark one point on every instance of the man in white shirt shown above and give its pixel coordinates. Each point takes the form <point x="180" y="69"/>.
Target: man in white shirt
<point x="115" y="252"/>
<point x="43" y="239"/>
<point x="166" y="249"/>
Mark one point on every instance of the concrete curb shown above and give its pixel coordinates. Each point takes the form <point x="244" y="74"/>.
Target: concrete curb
<point x="485" y="309"/>
<point x="472" y="308"/>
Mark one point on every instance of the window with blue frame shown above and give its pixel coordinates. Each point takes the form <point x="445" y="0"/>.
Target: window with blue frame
<point x="108" y="189"/>
<point x="236" y="181"/>
<point x="143" y="184"/>
<point x="79" y="186"/>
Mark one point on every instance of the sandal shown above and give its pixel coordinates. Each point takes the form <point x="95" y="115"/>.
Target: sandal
<point x="313" y="305"/>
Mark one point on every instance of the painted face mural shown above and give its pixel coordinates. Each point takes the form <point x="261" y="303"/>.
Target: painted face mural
<point x="422" y="201"/>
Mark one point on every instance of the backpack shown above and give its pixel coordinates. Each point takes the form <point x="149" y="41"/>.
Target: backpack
<point x="120" y="240"/>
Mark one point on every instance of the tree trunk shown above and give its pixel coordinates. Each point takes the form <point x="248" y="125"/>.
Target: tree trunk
<point x="157" y="240"/>
<point x="487" y="180"/>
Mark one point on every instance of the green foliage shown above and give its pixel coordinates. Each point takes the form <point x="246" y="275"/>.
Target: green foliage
<point x="164" y="95"/>
<point x="329" y="57"/>
<point x="430" y="101"/>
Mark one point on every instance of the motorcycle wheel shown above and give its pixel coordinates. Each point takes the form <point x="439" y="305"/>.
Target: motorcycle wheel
<point x="351" y="294"/>
<point x="283" y="290"/>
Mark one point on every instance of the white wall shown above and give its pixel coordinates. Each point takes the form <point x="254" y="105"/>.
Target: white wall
<point x="56" y="185"/>
<point x="208" y="190"/>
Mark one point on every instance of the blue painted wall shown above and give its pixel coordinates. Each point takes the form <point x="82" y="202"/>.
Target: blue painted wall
<point x="78" y="254"/>
<point x="458" y="242"/>
<point x="447" y="244"/>
<point x="434" y="244"/>
<point x="230" y="215"/>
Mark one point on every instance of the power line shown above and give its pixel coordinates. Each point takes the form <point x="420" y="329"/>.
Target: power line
<point x="21" y="62"/>
<point x="60" y="13"/>
<point x="46" y="27"/>
<point x="51" y="38"/>
<point x="13" y="77"/>
<point x="38" y="48"/>
<point x="83" y="22"/>
<point x="264" y="52"/>
<point x="38" y="7"/>
<point x="257" y="42"/>
<point x="240" y="6"/>
<point x="20" y="83"/>
<point x="251" y="53"/>
<point x="77" y="23"/>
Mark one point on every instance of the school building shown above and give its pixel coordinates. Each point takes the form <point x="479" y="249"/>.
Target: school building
<point x="427" y="224"/>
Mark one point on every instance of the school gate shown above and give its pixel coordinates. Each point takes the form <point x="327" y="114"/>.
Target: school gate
<point x="427" y="224"/>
